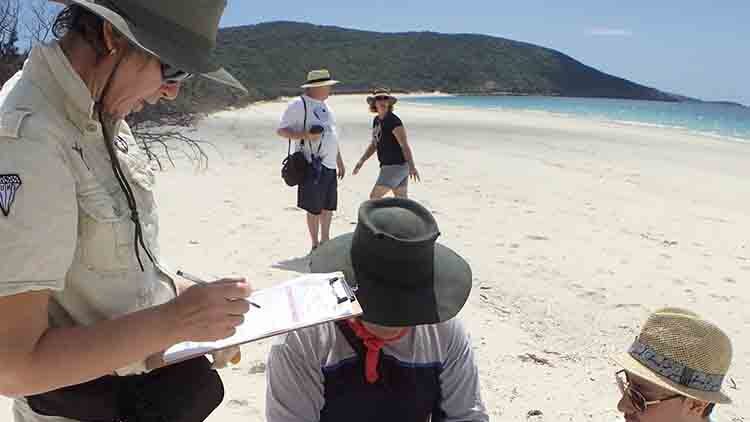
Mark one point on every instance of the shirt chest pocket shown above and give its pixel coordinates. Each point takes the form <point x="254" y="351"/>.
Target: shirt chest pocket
<point x="106" y="230"/>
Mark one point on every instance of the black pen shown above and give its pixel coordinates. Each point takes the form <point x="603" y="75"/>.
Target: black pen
<point x="197" y="280"/>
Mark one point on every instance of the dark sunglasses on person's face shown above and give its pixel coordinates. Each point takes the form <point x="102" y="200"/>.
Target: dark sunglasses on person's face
<point x="382" y="98"/>
<point x="171" y="75"/>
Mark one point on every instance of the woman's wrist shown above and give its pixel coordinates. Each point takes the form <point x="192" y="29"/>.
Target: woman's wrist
<point x="167" y="319"/>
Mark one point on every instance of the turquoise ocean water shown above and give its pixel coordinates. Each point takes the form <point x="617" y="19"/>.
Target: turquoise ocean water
<point x="722" y="120"/>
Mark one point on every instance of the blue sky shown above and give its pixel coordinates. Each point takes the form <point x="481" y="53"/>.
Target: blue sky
<point x="698" y="48"/>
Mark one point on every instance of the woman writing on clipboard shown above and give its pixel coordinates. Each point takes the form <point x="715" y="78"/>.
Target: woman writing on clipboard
<point x="85" y="301"/>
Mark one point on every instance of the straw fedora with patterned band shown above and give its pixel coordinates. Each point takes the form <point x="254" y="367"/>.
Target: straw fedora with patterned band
<point x="380" y="93"/>
<point x="181" y="33"/>
<point x="318" y="78"/>
<point x="683" y="353"/>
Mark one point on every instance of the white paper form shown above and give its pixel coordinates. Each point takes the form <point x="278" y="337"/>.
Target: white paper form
<point x="302" y="302"/>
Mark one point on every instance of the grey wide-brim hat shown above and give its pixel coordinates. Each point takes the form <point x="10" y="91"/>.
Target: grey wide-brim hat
<point x="181" y="33"/>
<point x="404" y="277"/>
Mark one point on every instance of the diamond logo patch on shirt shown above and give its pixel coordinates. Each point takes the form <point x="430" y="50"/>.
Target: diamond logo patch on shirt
<point x="121" y="144"/>
<point x="9" y="185"/>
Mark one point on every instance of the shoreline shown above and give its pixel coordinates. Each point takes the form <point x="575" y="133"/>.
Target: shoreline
<point x="600" y="120"/>
<point x="519" y="112"/>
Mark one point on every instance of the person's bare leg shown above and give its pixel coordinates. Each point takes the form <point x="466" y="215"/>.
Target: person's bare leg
<point x="401" y="191"/>
<point x="379" y="191"/>
<point x="313" y="225"/>
<point x="325" y="225"/>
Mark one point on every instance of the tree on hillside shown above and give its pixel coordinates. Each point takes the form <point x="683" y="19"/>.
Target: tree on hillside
<point x="10" y="57"/>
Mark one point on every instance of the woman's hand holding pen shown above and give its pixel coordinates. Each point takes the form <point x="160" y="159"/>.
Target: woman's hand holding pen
<point x="209" y="312"/>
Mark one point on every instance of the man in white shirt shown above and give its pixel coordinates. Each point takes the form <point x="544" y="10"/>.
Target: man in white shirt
<point x="310" y="123"/>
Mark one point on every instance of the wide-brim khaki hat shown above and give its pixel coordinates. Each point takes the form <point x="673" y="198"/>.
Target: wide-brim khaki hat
<point x="319" y="78"/>
<point x="181" y="33"/>
<point x="679" y="351"/>
<point x="381" y="92"/>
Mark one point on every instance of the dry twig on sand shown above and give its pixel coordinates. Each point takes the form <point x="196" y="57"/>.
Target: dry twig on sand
<point x="530" y="357"/>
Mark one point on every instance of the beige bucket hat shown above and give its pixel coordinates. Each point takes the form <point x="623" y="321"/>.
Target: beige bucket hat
<point x="318" y="78"/>
<point x="683" y="353"/>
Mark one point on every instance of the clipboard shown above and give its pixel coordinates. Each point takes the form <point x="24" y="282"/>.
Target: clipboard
<point x="302" y="302"/>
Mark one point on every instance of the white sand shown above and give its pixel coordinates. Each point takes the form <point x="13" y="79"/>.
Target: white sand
<point x="575" y="231"/>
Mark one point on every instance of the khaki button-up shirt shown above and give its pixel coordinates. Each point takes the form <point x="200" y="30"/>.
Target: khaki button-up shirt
<point x="65" y="223"/>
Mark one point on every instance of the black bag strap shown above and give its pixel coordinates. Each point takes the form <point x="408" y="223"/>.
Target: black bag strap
<point x="304" y="119"/>
<point x="304" y="126"/>
<point x="304" y="129"/>
<point x="355" y="342"/>
<point x="361" y="350"/>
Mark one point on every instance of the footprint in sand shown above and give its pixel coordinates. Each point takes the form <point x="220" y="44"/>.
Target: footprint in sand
<point x="721" y="298"/>
<point x="236" y="404"/>
<point x="537" y="237"/>
<point x="258" y="368"/>
<point x="593" y="295"/>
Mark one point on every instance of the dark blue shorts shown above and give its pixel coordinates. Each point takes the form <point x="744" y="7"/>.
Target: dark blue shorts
<point x="323" y="195"/>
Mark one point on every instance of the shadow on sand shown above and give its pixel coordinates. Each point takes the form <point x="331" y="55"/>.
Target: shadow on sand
<point x="299" y="265"/>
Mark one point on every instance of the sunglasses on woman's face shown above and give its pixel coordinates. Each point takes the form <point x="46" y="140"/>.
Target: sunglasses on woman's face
<point x="636" y="397"/>
<point x="171" y="75"/>
<point x="382" y="98"/>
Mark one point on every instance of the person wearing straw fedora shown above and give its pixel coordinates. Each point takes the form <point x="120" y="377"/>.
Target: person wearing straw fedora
<point x="309" y="120"/>
<point x="675" y="369"/>
<point x="407" y="358"/>
<point x="87" y="304"/>
<point x="390" y="142"/>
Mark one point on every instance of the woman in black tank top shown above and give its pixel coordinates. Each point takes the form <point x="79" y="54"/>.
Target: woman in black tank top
<point x="390" y="142"/>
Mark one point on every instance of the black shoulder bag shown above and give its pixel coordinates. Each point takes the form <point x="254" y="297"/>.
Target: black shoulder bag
<point x="184" y="392"/>
<point x="294" y="166"/>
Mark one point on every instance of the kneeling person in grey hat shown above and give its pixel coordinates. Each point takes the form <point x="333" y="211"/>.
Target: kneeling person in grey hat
<point x="310" y="122"/>
<point x="674" y="370"/>
<point x="407" y="358"/>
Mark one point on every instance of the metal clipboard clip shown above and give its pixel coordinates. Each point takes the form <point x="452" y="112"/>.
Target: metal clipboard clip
<point x="348" y="291"/>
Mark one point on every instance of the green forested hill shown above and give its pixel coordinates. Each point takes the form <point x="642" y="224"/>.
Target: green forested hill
<point x="271" y="59"/>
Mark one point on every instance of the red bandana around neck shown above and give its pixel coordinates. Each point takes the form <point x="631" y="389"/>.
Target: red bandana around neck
<point x="373" y="344"/>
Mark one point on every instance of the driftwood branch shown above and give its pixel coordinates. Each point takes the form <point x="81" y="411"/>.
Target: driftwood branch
<point x="162" y="145"/>
<point x="40" y="16"/>
<point x="10" y="12"/>
<point x="9" y="15"/>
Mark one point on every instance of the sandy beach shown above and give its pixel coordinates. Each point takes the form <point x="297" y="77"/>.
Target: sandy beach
<point x="575" y="231"/>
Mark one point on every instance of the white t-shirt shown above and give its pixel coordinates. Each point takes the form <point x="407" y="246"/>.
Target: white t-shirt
<point x="318" y="113"/>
